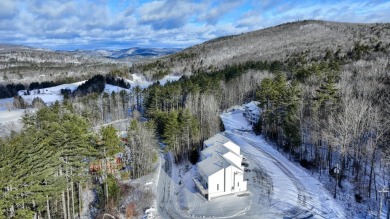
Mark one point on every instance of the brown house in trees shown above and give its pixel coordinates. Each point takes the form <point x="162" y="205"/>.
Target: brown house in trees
<point x="110" y="165"/>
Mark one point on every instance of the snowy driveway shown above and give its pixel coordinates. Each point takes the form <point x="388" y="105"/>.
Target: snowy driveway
<point x="295" y="194"/>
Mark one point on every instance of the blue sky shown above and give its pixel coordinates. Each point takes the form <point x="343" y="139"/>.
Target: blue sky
<point x="94" y="24"/>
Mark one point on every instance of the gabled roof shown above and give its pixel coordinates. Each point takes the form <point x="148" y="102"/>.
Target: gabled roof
<point x="212" y="165"/>
<point x="217" y="155"/>
<point x="220" y="149"/>
<point x="216" y="139"/>
<point x="215" y="150"/>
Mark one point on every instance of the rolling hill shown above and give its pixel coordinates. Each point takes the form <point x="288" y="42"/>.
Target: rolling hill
<point x="22" y="64"/>
<point x="311" y="37"/>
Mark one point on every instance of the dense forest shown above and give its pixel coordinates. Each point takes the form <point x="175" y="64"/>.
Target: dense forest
<point x="46" y="164"/>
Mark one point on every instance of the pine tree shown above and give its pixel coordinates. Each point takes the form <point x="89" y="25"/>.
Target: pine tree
<point x="171" y="132"/>
<point x="111" y="141"/>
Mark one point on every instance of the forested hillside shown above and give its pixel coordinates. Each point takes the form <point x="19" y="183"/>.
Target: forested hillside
<point x="313" y="38"/>
<point x="323" y="89"/>
<point x="19" y="64"/>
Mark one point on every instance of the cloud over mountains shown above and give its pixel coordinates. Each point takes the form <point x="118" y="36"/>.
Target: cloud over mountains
<point x="61" y="24"/>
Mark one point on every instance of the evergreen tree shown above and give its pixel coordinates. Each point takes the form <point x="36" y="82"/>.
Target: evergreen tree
<point x="111" y="141"/>
<point x="171" y="132"/>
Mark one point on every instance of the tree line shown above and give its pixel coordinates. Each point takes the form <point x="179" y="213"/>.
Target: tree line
<point x="44" y="168"/>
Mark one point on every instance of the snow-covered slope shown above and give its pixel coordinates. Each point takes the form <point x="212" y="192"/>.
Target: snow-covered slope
<point x="52" y="94"/>
<point x="48" y="95"/>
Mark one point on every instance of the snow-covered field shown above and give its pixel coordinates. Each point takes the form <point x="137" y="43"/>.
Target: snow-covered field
<point x="49" y="95"/>
<point x="52" y="94"/>
<point x="139" y="80"/>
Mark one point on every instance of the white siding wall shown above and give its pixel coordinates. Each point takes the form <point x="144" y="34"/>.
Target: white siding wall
<point x="216" y="184"/>
<point x="229" y="179"/>
<point x="232" y="180"/>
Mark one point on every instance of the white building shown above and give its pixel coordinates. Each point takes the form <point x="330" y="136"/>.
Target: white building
<point x="252" y="112"/>
<point x="220" y="169"/>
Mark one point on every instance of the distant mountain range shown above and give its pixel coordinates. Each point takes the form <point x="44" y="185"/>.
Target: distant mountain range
<point x="16" y="48"/>
<point x="135" y="53"/>
<point x="25" y="63"/>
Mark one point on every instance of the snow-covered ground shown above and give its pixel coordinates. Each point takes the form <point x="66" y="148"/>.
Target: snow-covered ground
<point x="234" y="120"/>
<point x="6" y="104"/>
<point x="10" y="116"/>
<point x="140" y="80"/>
<point x="295" y="193"/>
<point x="10" y="121"/>
<point x="52" y="94"/>
<point x="88" y="198"/>
<point x="49" y="95"/>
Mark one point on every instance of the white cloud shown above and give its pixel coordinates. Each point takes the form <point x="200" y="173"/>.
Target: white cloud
<point x="8" y="9"/>
<point x="213" y="15"/>
<point x="95" y="23"/>
<point x="166" y="14"/>
<point x="250" y="20"/>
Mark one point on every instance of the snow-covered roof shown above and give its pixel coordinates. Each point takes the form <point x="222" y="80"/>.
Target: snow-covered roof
<point x="217" y="155"/>
<point x="253" y="105"/>
<point x="212" y="165"/>
<point x="221" y="149"/>
<point x="216" y="140"/>
<point x="215" y="150"/>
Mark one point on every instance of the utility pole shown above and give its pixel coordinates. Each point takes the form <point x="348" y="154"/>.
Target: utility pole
<point x="336" y="171"/>
<point x="388" y="207"/>
<point x="382" y="191"/>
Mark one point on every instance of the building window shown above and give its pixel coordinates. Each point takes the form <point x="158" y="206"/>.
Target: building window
<point x="217" y="186"/>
